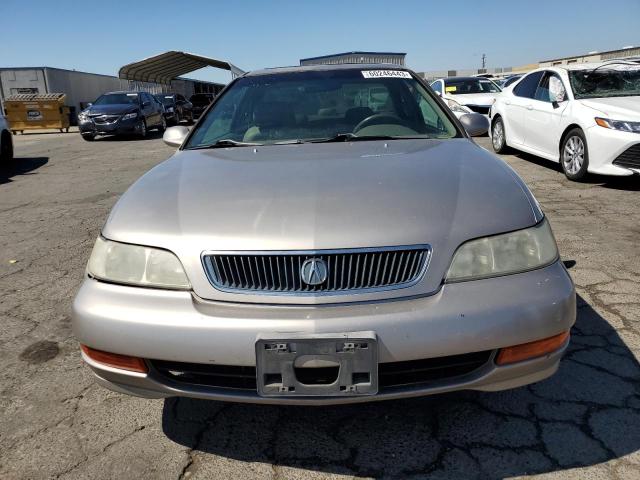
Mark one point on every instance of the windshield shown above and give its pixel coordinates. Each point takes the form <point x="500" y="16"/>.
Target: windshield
<point x="316" y="105"/>
<point x="464" y="86"/>
<point x="165" y="99"/>
<point x="607" y="81"/>
<point x="117" y="99"/>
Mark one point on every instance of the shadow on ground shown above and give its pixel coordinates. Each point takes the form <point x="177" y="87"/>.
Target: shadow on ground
<point x="631" y="182"/>
<point x="587" y="413"/>
<point x="21" y="166"/>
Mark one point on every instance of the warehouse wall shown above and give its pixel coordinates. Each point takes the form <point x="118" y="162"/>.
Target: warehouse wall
<point x="80" y="87"/>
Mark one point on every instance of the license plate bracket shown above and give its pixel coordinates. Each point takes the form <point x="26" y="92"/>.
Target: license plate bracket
<point x="285" y="361"/>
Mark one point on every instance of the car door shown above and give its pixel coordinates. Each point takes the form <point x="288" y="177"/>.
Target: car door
<point x="544" y="114"/>
<point x="146" y="106"/>
<point x="515" y="106"/>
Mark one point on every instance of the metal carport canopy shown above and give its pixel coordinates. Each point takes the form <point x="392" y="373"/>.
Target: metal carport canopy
<point x="165" y="67"/>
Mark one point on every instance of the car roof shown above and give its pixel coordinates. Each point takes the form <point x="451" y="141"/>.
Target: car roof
<point x="586" y="66"/>
<point x="122" y="91"/>
<point x="325" y="68"/>
<point x="461" y="79"/>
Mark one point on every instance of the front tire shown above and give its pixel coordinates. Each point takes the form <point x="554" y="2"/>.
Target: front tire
<point x="574" y="155"/>
<point x="88" y="137"/>
<point x="6" y="149"/>
<point x="142" y="132"/>
<point x="498" y="137"/>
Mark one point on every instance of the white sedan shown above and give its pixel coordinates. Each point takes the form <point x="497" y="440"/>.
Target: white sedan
<point x="587" y="117"/>
<point x="467" y="94"/>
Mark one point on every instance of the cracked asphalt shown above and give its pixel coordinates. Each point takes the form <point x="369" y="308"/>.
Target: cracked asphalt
<point x="584" y="422"/>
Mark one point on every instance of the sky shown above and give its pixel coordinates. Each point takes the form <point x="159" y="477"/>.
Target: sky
<point x="100" y="37"/>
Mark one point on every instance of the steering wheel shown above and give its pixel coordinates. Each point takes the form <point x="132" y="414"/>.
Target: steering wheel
<point x="379" y="119"/>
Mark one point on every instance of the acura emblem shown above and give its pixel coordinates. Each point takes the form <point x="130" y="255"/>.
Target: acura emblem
<point x="313" y="271"/>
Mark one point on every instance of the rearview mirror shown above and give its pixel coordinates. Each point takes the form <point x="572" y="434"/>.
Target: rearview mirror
<point x="174" y="136"/>
<point x="475" y="124"/>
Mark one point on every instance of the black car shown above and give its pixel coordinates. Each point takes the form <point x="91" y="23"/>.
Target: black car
<point x="121" y="113"/>
<point x="200" y="103"/>
<point x="176" y="108"/>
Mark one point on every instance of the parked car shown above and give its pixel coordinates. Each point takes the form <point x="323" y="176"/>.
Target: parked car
<point x="6" y="142"/>
<point x="475" y="93"/>
<point x="510" y="80"/>
<point x="586" y="116"/>
<point x="301" y="248"/>
<point x="200" y="102"/>
<point x="176" y="108"/>
<point x="118" y="113"/>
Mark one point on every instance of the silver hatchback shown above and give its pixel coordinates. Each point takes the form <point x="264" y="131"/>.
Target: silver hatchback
<point x="325" y="234"/>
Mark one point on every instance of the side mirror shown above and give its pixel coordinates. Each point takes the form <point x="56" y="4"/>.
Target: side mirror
<point x="475" y="124"/>
<point x="438" y="93"/>
<point x="174" y="136"/>
<point x="90" y="104"/>
<point x="555" y="104"/>
<point x="146" y="103"/>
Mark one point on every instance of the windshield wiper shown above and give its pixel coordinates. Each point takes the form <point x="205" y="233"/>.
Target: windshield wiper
<point x="225" y="142"/>
<point x="352" y="137"/>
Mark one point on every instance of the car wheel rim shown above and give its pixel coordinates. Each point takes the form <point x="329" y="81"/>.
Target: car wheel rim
<point x="498" y="135"/>
<point x="573" y="155"/>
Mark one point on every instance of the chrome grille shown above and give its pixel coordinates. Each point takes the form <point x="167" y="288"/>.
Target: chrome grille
<point x="346" y="270"/>
<point x="104" y="119"/>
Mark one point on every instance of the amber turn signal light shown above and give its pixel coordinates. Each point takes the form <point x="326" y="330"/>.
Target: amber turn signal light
<point x="115" y="360"/>
<point x="527" y="351"/>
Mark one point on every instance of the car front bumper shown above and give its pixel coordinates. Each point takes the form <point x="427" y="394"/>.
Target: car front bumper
<point x="483" y="315"/>
<point x="120" y="127"/>
<point x="605" y="146"/>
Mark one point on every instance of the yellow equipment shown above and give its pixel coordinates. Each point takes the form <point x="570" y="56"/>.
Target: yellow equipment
<point x="36" y="111"/>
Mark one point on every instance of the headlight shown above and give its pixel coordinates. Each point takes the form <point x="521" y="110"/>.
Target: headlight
<point x="622" y="125"/>
<point x="83" y="117"/>
<point x="456" y="107"/>
<point x="127" y="116"/>
<point x="136" y="265"/>
<point x="504" y="254"/>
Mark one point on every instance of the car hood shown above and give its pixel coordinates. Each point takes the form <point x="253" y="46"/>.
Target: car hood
<point x="616" y="108"/>
<point x="480" y="99"/>
<point x="323" y="196"/>
<point x="111" y="109"/>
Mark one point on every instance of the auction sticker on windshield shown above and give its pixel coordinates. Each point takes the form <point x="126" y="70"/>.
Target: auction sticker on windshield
<point x="385" y="74"/>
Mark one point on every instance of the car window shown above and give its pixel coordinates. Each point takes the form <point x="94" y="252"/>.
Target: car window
<point x="463" y="86"/>
<point x="528" y="85"/>
<point x="607" y="80"/>
<point x="437" y="86"/>
<point x="322" y="104"/>
<point x="165" y="99"/>
<point x="551" y="89"/>
<point x="511" y="80"/>
<point x="117" y="99"/>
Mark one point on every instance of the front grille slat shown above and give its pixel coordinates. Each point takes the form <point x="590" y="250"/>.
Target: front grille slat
<point x="630" y="158"/>
<point x="412" y="373"/>
<point x="346" y="270"/>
